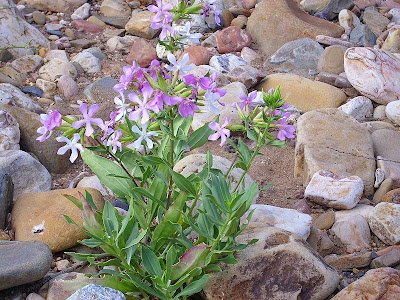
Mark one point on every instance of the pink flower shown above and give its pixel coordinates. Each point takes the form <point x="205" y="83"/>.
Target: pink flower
<point x="247" y="101"/>
<point x="50" y="122"/>
<point x="126" y="78"/>
<point x="221" y="132"/>
<point x="160" y="10"/>
<point x="88" y="119"/>
<point x="187" y="107"/>
<point x="143" y="106"/>
<point x="285" y="130"/>
<point x="114" y="141"/>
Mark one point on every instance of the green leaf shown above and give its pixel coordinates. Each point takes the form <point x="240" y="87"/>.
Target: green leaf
<point x="199" y="137"/>
<point x="151" y="263"/>
<point x="92" y="243"/>
<point x="74" y="200"/>
<point x="194" y="287"/>
<point x="144" y="286"/>
<point x="170" y="260"/>
<point x="102" y="167"/>
<point x="183" y="183"/>
<point x="110" y="220"/>
<point x="277" y="143"/>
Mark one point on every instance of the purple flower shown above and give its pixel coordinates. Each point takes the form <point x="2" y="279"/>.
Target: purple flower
<point x="165" y="27"/>
<point x="247" y="101"/>
<point x="221" y="132"/>
<point x="157" y="100"/>
<point x="190" y="80"/>
<point x="88" y="119"/>
<point x="285" y="130"/>
<point x="170" y="101"/>
<point x="50" y="122"/>
<point x="109" y="125"/>
<point x="207" y="83"/>
<point x="160" y="10"/>
<point x="126" y="78"/>
<point x="143" y="106"/>
<point x="187" y="107"/>
<point x="182" y="67"/>
<point x="72" y="145"/>
<point x="123" y="108"/>
<point x="143" y="135"/>
<point x="114" y="141"/>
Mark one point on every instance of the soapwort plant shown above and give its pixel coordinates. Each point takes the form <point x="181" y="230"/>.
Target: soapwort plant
<point x="176" y="230"/>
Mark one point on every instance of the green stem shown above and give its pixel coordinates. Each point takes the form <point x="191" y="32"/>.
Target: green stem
<point x="231" y="167"/>
<point x="171" y="161"/>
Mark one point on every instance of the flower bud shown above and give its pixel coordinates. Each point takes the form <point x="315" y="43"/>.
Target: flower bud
<point x="89" y="218"/>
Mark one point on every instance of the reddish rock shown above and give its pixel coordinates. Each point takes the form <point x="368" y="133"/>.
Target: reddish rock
<point x="392" y="196"/>
<point x="198" y="55"/>
<point x="232" y="39"/>
<point x="302" y="206"/>
<point x="86" y="26"/>
<point x="362" y="4"/>
<point x="387" y="250"/>
<point x="249" y="4"/>
<point x="378" y="284"/>
<point x="143" y="52"/>
<point x="67" y="86"/>
<point x="390" y="4"/>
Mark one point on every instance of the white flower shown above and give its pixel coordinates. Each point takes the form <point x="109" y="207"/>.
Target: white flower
<point x="182" y="67"/>
<point x="143" y="136"/>
<point x="192" y="37"/>
<point x="210" y="98"/>
<point x="123" y="108"/>
<point x="72" y="145"/>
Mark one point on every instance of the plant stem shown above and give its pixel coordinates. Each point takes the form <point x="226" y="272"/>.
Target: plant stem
<point x="171" y="161"/>
<point x="231" y="167"/>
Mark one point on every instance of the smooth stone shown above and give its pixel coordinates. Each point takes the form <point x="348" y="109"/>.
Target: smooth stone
<point x="54" y="34"/>
<point x="55" y="68"/>
<point x="302" y="206"/>
<point x="261" y="269"/>
<point x="86" y="26"/>
<point x="95" y="183"/>
<point x="39" y="17"/>
<point x="89" y="62"/>
<point x="360" y="108"/>
<point x="27" y="64"/>
<point x="330" y="41"/>
<point x="304" y="93"/>
<point x="361" y="34"/>
<point x="389" y="259"/>
<point x="82" y="43"/>
<point x="348" y="20"/>
<point x="226" y="62"/>
<point x="6" y="197"/>
<point x="251" y="56"/>
<point x="53" y="27"/>
<point x="393" y="111"/>
<point x="117" y="22"/>
<point x="67" y="86"/>
<point x="375" y="21"/>
<point x="384" y="222"/>
<point x="70" y="33"/>
<point x="361" y="209"/>
<point x="116" y="43"/>
<point x="198" y="55"/>
<point x="392" y="196"/>
<point x="142" y="52"/>
<point x="82" y="12"/>
<point x="299" y="57"/>
<point x="59" y="54"/>
<point x="232" y="39"/>
<point x="276" y="22"/>
<point x="10" y="95"/>
<point x="9" y="132"/>
<point x="98" y="292"/>
<point x="32" y="90"/>
<point x="46" y="86"/>
<point x="333" y="8"/>
<point x="324" y="138"/>
<point x="377" y="125"/>
<point x="23" y="262"/>
<point x="383" y="189"/>
<point x="96" y="51"/>
<point x="349" y="261"/>
<point x="38" y="216"/>
<point x="96" y="21"/>
<point x="325" y="221"/>
<point x="332" y="60"/>
<point x="115" y="8"/>
<point x="320" y="241"/>
<point x="379" y="112"/>
<point x="139" y="25"/>
<point x="62" y="6"/>
<point x="101" y="90"/>
<point x="246" y="74"/>
<point x="6" y="56"/>
<point x="392" y="42"/>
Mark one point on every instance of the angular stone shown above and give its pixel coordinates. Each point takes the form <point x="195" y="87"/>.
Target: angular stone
<point x="27" y="64"/>
<point x="375" y="21"/>
<point x="115" y="8"/>
<point x="89" y="62"/>
<point x="246" y="74"/>
<point x="349" y="261"/>
<point x="101" y="90"/>
<point x="86" y="26"/>
<point x="332" y="60"/>
<point x="142" y="52"/>
<point x="262" y="269"/>
<point x="11" y="95"/>
<point x="362" y="35"/>
<point x="139" y="25"/>
<point x="392" y="42"/>
<point x="55" y="5"/>
<point x="392" y="196"/>
<point x="276" y="22"/>
<point x="384" y="222"/>
<point x="389" y="259"/>
<point x="299" y="57"/>
<point x="6" y="197"/>
<point x="320" y="241"/>
<point x="198" y="55"/>
<point x="328" y="136"/>
<point x="38" y="216"/>
<point x="232" y="39"/>
<point x="374" y="73"/>
<point x="325" y="221"/>
<point x="97" y="292"/>
<point x="9" y="132"/>
<point x="23" y="262"/>
<point x="56" y="68"/>
<point x="331" y="11"/>
<point x="226" y="62"/>
<point x="82" y="12"/>
<point x="82" y="43"/>
<point x="67" y="86"/>
<point x="360" y="108"/>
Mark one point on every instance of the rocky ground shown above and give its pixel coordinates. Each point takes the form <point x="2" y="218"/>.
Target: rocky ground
<point x="335" y="202"/>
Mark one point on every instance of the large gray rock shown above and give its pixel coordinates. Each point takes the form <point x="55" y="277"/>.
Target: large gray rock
<point x="11" y="95"/>
<point x="23" y="262"/>
<point x="27" y="173"/>
<point x="97" y="292"/>
<point x="281" y="265"/>
<point x="328" y="139"/>
<point x="14" y="30"/>
<point x="6" y="196"/>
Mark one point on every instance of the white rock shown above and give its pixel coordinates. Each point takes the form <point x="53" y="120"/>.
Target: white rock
<point x="393" y="112"/>
<point x="380" y="175"/>
<point x="385" y="222"/>
<point x="395" y="12"/>
<point x="326" y="188"/>
<point x="60" y="54"/>
<point x="374" y="73"/>
<point x="380" y="112"/>
<point x="81" y="13"/>
<point x="284" y="218"/>
<point x="118" y="43"/>
<point x="9" y="94"/>
<point x="89" y="62"/>
<point x="353" y="232"/>
<point x="226" y="62"/>
<point x="359" y="108"/>
<point x="348" y="20"/>
<point x="94" y="182"/>
<point x="28" y="174"/>
<point x="55" y="68"/>
<point x="362" y="209"/>
<point x="9" y="132"/>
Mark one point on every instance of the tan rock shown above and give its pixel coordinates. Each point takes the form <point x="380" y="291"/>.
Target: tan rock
<point x="327" y="139"/>
<point x="325" y="221"/>
<point x="115" y="8"/>
<point x="38" y="216"/>
<point x="320" y="241"/>
<point x="276" y="22"/>
<point x="304" y="93"/>
<point x="55" y="68"/>
<point x="348" y="261"/>
<point x="332" y="60"/>
<point x="384" y="188"/>
<point x="392" y="196"/>
<point x="139" y="25"/>
<point x="55" y="5"/>
<point x="384" y="222"/>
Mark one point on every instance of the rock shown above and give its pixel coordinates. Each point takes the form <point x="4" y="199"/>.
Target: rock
<point x="283" y="21"/>
<point x="10" y="75"/>
<point x="142" y="52"/>
<point x="240" y="21"/>
<point x="139" y="25"/>
<point x="374" y="73"/>
<point x="299" y="57"/>
<point x="67" y="86"/>
<point x="115" y="8"/>
<point x="86" y="26"/>
<point x="324" y="137"/>
<point x="211" y="41"/>
<point x="6" y="196"/>
<point x="392" y="196"/>
<point x="70" y="33"/>
<point x="320" y="241"/>
<point x="96" y="21"/>
<point x="260" y="272"/>
<point x="325" y="221"/>
<point x="55" y="5"/>
<point x="32" y="91"/>
<point x="393" y="111"/>
<point x="348" y="20"/>
<point x="202" y="70"/>
<point x="62" y="264"/>
<point x="381" y="192"/>
<point x="304" y="93"/>
<point x="11" y="95"/>
<point x="232" y="39"/>
<point x="246" y="74"/>
<point x="382" y="283"/>
<point x="333" y="8"/>
<point x="45" y="210"/>
<point x="349" y="261"/>
<point x="6" y="56"/>
<point x="376" y="125"/>
<point x="39" y="17"/>
<point x="14" y="30"/>
<point x="326" y="188"/>
<point x="117" y="22"/>
<point x="362" y="209"/>
<point x="101" y="90"/>
<point x="251" y="56"/>
<point x="361" y="34"/>
<point x="82" y="43"/>
<point x="353" y="232"/>
<point x="226" y="62"/>
<point x="233" y="90"/>
<point x="54" y="27"/>
<point x="332" y="60"/>
<point x="60" y="54"/>
<point x="118" y="43"/>
<point x="284" y="218"/>
<point x="23" y="262"/>
<point x="47" y="87"/>
<point x="89" y="62"/>
<point x="34" y="296"/>
<point x="94" y="291"/>
<point x="302" y="206"/>
<point x="360" y="108"/>
<point x="328" y="40"/>
<point x="9" y="132"/>
<point x="375" y="21"/>
<point x="95" y="183"/>
<point x="46" y="152"/>
<point x="21" y="166"/>
<point x="81" y="13"/>
<point x="392" y="42"/>
<point x="56" y="68"/>
<point x="389" y="259"/>
<point x="198" y="55"/>
<point x="334" y="79"/>
<point x="379" y="112"/>
<point x="384" y="222"/>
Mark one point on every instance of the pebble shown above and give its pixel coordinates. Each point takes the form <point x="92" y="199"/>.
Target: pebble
<point x="62" y="264"/>
<point x="46" y="86"/>
<point x="320" y="241"/>
<point x="70" y="33"/>
<point x="98" y="292"/>
<point x="332" y="59"/>
<point x="251" y="56"/>
<point x="81" y="13"/>
<point x="380" y="112"/>
<point x="67" y="86"/>
<point x="96" y="21"/>
<point x="89" y="62"/>
<point x="232" y="39"/>
<point x="142" y="52"/>
<point x="39" y="17"/>
<point x="86" y="26"/>
<point x="240" y="21"/>
<point x="56" y="68"/>
<point x="115" y="8"/>
<point x="53" y="27"/>
<point x="60" y="54"/>
<point x="82" y="43"/>
<point x="389" y="259"/>
<point x="32" y="90"/>
<point x="375" y="21"/>
<point x="117" y="22"/>
<point x="360" y="108"/>
<point x="302" y="206"/>
<point x="96" y="51"/>
<point x="139" y="25"/>
<point x="393" y="111"/>
<point x="5" y="56"/>
<point x="384" y="222"/>
<point x="325" y="221"/>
